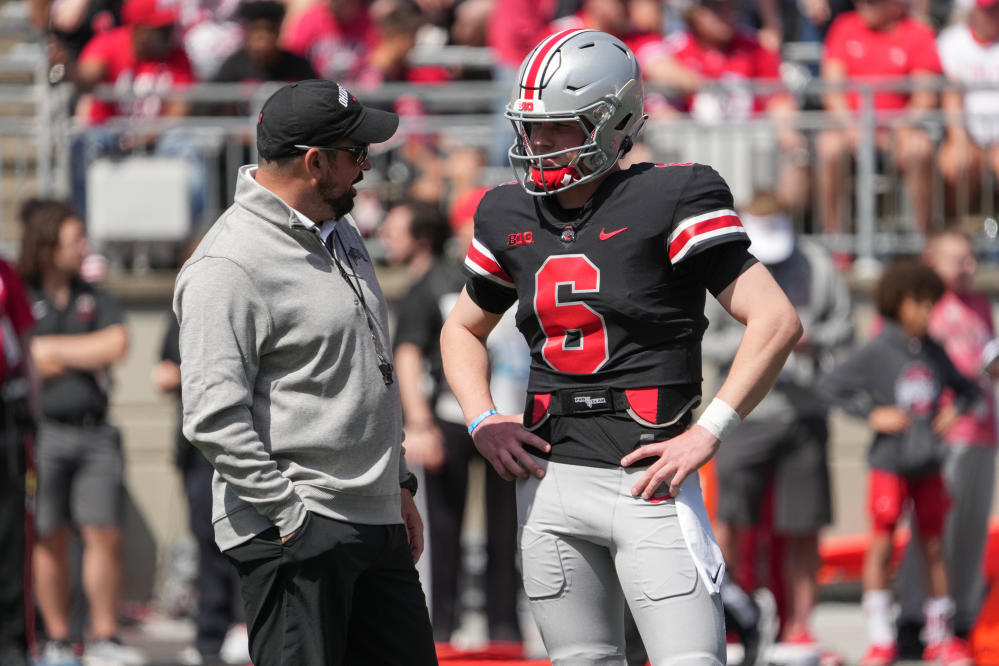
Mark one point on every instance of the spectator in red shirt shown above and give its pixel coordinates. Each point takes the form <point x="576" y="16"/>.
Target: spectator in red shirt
<point x="610" y="16"/>
<point x="141" y="57"/>
<point x="334" y="35"/>
<point x="713" y="64"/>
<point x="878" y="41"/>
<point x="614" y="17"/>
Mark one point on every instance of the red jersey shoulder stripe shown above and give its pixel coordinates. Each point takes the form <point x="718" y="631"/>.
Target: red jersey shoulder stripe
<point x="537" y="59"/>
<point x="695" y="230"/>
<point x="482" y="262"/>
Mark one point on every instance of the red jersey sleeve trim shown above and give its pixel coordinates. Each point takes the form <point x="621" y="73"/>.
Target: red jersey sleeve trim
<point x="699" y="229"/>
<point x="481" y="262"/>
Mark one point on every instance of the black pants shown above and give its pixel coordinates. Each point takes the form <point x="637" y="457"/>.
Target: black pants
<point x="217" y="579"/>
<point x="446" y="493"/>
<point x="14" y="529"/>
<point x="334" y="594"/>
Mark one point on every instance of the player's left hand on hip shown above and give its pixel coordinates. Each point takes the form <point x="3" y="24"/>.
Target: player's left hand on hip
<point x="678" y="458"/>
<point x="413" y="523"/>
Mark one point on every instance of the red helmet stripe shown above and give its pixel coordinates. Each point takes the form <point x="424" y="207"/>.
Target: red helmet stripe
<point x="538" y="58"/>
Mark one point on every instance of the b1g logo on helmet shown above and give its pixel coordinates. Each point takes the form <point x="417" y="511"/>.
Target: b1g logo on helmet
<point x="529" y="106"/>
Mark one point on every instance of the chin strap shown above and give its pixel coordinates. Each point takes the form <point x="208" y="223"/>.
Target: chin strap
<point x="555" y="178"/>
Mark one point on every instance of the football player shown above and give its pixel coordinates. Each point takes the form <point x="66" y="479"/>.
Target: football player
<point x="610" y="266"/>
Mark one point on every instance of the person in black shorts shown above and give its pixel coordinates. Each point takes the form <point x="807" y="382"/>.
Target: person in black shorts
<point x="219" y="629"/>
<point x="783" y="442"/>
<point x="414" y="235"/>
<point x="80" y="333"/>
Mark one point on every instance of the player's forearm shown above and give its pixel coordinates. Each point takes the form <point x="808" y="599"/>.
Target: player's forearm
<point x="765" y="346"/>
<point x="87" y="351"/>
<point x="409" y="370"/>
<point x="466" y="367"/>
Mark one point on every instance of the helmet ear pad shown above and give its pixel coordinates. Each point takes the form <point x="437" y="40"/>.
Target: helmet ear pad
<point x="608" y="133"/>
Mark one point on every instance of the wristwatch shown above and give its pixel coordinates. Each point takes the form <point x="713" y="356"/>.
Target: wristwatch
<point x="410" y="483"/>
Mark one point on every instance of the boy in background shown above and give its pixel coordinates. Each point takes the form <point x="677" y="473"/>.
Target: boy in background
<point x="896" y="382"/>
<point x="962" y="322"/>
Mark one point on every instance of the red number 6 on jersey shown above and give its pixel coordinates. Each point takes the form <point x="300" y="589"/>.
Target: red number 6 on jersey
<point x="575" y="335"/>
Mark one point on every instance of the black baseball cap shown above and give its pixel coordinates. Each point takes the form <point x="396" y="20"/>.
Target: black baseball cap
<point x="318" y="112"/>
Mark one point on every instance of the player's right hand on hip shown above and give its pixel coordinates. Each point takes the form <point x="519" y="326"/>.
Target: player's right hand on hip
<point x="501" y="440"/>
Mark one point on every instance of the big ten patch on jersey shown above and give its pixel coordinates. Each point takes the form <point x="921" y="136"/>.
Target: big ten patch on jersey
<point x="519" y="238"/>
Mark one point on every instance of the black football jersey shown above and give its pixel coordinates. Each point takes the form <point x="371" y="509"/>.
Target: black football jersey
<point x="611" y="294"/>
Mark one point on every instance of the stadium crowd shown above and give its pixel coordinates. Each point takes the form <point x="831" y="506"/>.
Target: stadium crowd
<point x="930" y="63"/>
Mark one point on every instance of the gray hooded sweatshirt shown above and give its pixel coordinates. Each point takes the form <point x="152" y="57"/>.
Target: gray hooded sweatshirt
<point x="281" y="384"/>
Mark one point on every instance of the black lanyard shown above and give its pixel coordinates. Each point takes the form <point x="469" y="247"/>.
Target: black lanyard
<point x="384" y="365"/>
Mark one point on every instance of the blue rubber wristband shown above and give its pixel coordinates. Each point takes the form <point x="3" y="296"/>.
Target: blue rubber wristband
<point x="479" y="419"/>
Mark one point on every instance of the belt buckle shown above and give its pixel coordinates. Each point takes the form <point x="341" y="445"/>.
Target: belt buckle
<point x="590" y="401"/>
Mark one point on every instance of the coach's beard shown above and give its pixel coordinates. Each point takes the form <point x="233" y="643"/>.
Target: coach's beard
<point x="344" y="203"/>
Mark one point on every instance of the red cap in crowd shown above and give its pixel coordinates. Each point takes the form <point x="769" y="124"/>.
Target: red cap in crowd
<point x="150" y="13"/>
<point x="985" y="4"/>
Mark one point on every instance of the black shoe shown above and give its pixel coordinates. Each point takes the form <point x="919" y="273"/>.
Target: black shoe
<point x="910" y="645"/>
<point x="13" y="655"/>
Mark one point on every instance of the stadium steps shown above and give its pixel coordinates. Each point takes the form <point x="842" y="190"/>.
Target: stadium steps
<point x="21" y="56"/>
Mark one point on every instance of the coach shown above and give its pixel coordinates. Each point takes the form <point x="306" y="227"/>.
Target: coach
<point x="289" y="391"/>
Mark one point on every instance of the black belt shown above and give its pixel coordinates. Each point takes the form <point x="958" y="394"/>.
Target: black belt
<point x="666" y="406"/>
<point x="84" y="420"/>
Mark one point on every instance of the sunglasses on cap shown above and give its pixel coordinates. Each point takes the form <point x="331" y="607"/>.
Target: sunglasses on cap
<point x="360" y="153"/>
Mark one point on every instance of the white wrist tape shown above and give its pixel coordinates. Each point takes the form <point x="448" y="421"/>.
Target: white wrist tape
<point x="719" y="419"/>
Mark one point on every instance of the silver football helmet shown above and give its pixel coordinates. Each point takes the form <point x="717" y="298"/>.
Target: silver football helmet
<point x="586" y="76"/>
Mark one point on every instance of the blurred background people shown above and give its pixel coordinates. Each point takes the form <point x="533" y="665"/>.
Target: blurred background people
<point x="70" y="24"/>
<point x="19" y="393"/>
<point x="333" y="35"/>
<point x="969" y="54"/>
<point x="261" y="57"/>
<point x="781" y="447"/>
<point x="414" y="235"/>
<point x="220" y="632"/>
<point x="515" y="27"/>
<point x="961" y="322"/>
<point x="877" y="40"/>
<point x="713" y="64"/>
<point x="143" y="56"/>
<point x="143" y="62"/>
<point x="79" y="335"/>
<point x="897" y="382"/>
